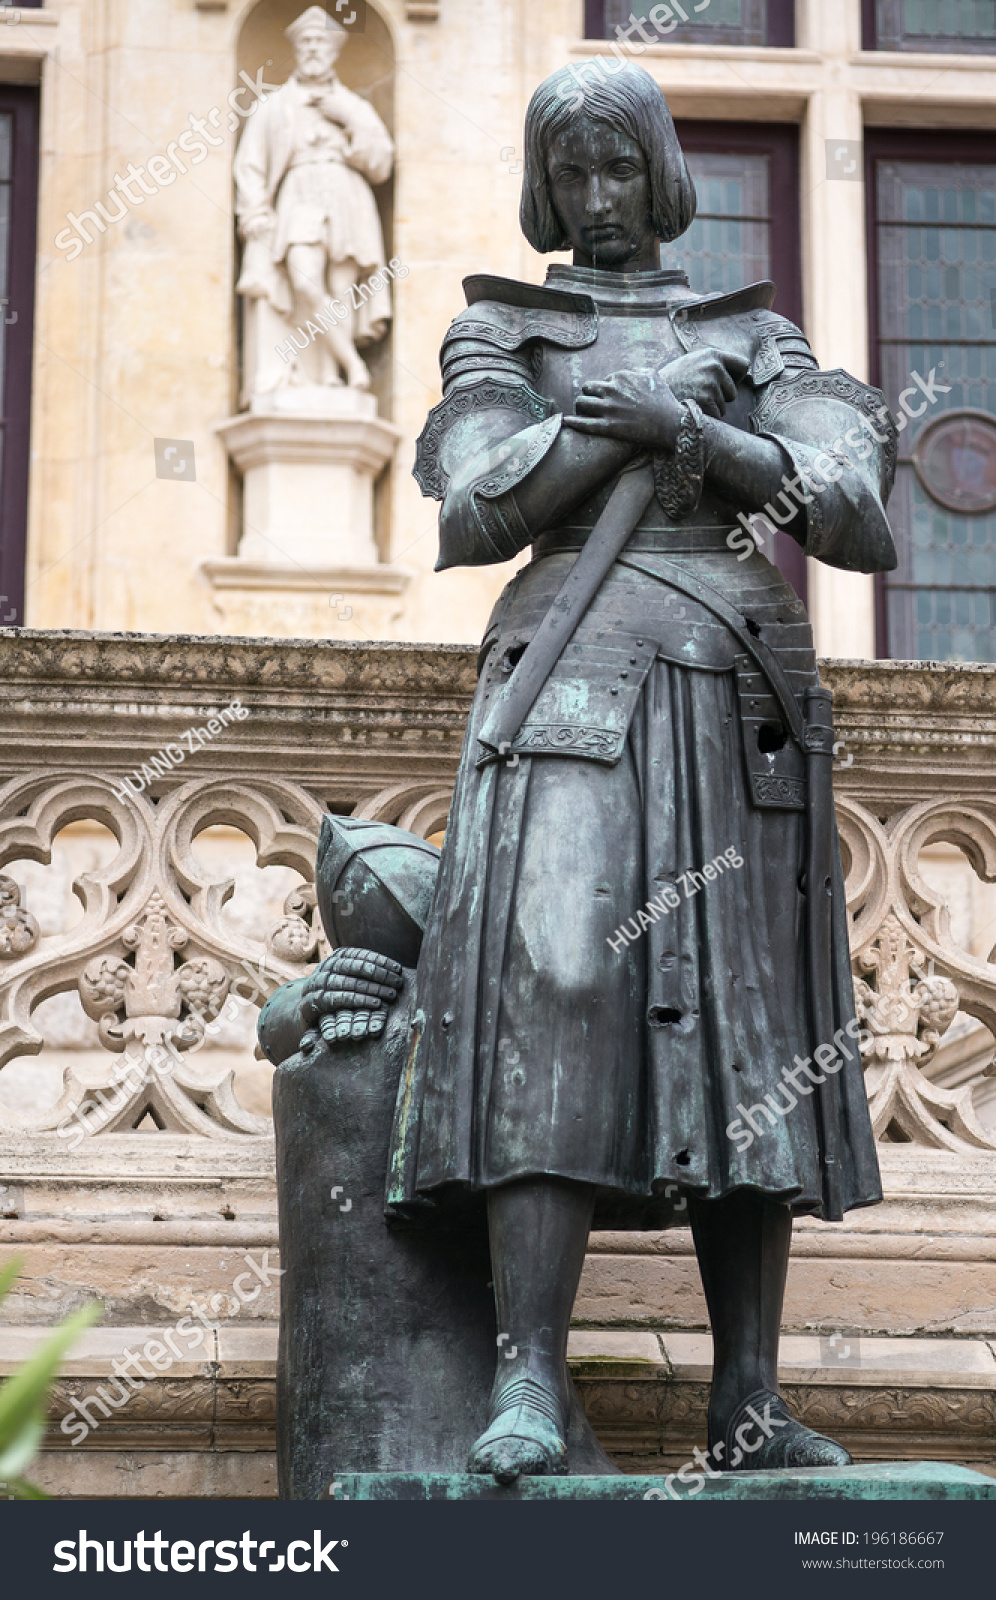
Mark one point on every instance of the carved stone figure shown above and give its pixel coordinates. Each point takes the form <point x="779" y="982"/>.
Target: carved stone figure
<point x="303" y="171"/>
<point x="634" y="992"/>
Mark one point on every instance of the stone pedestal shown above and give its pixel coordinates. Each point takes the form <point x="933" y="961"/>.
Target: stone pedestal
<point x="387" y="1333"/>
<point x="308" y="457"/>
<point x="920" y="1480"/>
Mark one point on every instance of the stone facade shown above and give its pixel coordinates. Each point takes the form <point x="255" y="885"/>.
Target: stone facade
<point x="137" y="335"/>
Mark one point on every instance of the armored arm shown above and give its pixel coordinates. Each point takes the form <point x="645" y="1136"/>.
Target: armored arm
<point x="508" y="486"/>
<point x="494" y="451"/>
<point x="842" y="443"/>
<point x="820" y="458"/>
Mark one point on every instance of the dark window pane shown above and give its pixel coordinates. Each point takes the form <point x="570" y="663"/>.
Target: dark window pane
<point x="18" y="191"/>
<point x="740" y="22"/>
<point x="728" y="244"/>
<point x="968" y="26"/>
<point x="4" y="228"/>
<point x="6" y="140"/>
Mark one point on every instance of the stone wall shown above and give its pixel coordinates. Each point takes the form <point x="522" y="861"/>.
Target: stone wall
<point x="146" y="1178"/>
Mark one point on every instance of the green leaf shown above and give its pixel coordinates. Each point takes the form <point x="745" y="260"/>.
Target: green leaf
<point x="23" y="1448"/>
<point x="9" y="1273"/>
<point x="23" y="1395"/>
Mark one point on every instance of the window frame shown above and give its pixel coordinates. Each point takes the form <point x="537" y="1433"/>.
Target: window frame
<point x="945" y="45"/>
<point x="941" y="147"/>
<point x="22" y="101"/>
<point x="780" y="141"/>
<point x="780" y="30"/>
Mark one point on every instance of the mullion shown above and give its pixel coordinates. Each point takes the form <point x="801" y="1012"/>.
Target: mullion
<point x="949" y="227"/>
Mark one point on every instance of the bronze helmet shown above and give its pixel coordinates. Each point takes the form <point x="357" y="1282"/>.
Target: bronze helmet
<point x="374" y="885"/>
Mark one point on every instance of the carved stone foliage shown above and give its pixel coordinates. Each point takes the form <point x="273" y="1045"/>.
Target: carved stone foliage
<point x="928" y="1415"/>
<point x="18" y="928"/>
<point x="299" y="935"/>
<point x="153" y="960"/>
<point x="910" y="976"/>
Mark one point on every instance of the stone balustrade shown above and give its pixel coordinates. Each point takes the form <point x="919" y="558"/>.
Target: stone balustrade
<point x="180" y="783"/>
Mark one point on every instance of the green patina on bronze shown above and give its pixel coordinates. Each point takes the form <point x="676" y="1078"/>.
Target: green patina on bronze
<point x="907" y="1480"/>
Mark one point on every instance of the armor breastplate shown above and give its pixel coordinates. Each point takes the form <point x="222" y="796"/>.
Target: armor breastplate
<point x="562" y="374"/>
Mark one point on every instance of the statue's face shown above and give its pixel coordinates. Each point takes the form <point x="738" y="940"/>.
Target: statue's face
<point x="316" y="52"/>
<point x="601" y="191"/>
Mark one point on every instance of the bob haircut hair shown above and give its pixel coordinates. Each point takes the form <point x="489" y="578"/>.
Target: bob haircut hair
<point x="621" y="95"/>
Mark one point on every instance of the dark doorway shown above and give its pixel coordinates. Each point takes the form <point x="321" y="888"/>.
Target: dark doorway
<point x="18" y="223"/>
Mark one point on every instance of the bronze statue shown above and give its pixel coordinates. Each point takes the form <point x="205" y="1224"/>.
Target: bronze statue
<point x="634" y="992"/>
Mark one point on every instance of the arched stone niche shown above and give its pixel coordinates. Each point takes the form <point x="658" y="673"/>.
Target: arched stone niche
<point x="312" y="455"/>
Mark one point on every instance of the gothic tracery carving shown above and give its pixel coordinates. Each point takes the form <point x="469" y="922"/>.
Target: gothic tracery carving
<point x="155" y="962"/>
<point x="901" y="939"/>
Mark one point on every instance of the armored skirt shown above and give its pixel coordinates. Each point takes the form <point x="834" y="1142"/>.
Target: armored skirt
<point x="614" y="973"/>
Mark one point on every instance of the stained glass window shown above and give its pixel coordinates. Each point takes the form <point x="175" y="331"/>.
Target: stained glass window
<point x="936" y="251"/>
<point x="966" y="26"/>
<point x="737" y="22"/>
<point x="729" y="243"/>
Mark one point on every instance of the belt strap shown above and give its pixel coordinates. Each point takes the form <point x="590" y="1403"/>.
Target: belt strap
<point x="626" y="504"/>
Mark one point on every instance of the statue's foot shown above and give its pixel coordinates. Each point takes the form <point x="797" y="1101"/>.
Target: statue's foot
<point x="525" y="1436"/>
<point x="763" y="1435"/>
<point x="358" y="375"/>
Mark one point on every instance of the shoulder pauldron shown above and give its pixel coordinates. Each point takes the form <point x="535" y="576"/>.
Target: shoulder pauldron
<point x="431" y="471"/>
<point x="812" y="407"/>
<point x="510" y="327"/>
<point x="772" y="343"/>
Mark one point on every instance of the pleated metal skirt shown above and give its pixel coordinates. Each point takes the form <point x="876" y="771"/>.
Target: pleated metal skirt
<point x="600" y="1007"/>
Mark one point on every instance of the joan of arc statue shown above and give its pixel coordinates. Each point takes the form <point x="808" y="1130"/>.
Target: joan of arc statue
<point x="634" y="994"/>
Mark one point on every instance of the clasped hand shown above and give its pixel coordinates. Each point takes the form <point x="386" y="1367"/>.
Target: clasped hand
<point x="348" y="994"/>
<point x="643" y="407"/>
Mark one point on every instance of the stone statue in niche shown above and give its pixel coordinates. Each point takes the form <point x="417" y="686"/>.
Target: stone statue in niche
<point x="314" y="247"/>
<point x="633" y="1001"/>
<point x="309" y="442"/>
